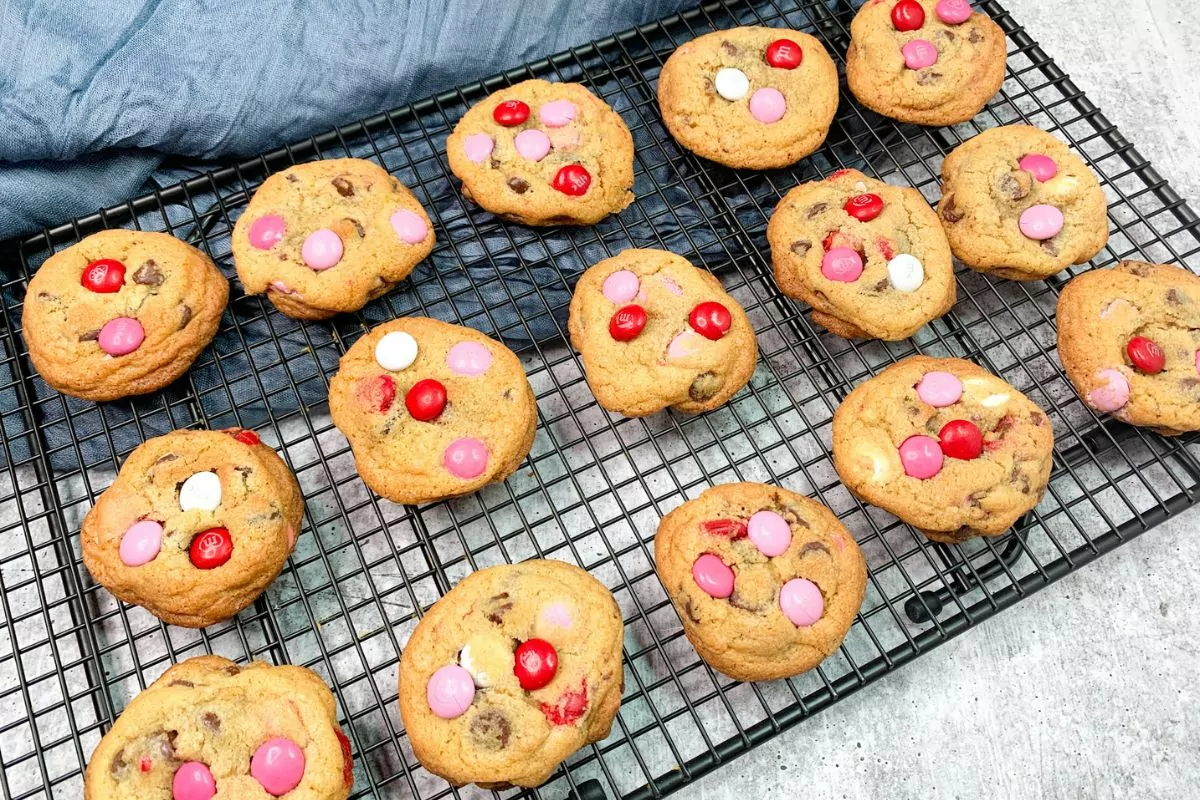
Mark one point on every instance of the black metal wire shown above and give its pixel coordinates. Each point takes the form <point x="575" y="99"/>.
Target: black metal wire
<point x="595" y="485"/>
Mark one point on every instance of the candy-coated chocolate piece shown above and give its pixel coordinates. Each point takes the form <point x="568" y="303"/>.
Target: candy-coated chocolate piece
<point x="266" y="231"/>
<point x="478" y="146"/>
<point x="450" y="692"/>
<point x="426" y="400"/>
<point x="627" y="322"/>
<point x="784" y="54"/>
<point x="939" y="389"/>
<point x="733" y="528"/>
<point x="801" y="602"/>
<point x="767" y="105"/>
<point x="466" y="458"/>
<point x="908" y="15"/>
<point x="557" y="113"/>
<point x="622" y="286"/>
<point x="409" y="226"/>
<point x="141" y="543"/>
<point x="557" y="615"/>
<point x="671" y="285"/>
<point x="905" y="273"/>
<point x="1039" y="166"/>
<point x="121" y="336"/>
<point x="532" y="144"/>
<point x="770" y="533"/>
<point x="921" y="457"/>
<point x="919" y="54"/>
<point x="347" y="761"/>
<point x="685" y="345"/>
<point x="731" y="83"/>
<point x="103" y="276"/>
<point x="202" y="490"/>
<point x="842" y="264"/>
<point x="278" y="764"/>
<point x="470" y="359"/>
<point x="1146" y="355"/>
<point x="536" y="664"/>
<point x="710" y="319"/>
<point x="282" y="288"/>
<point x="713" y="576"/>
<point x="193" y="781"/>
<point x="245" y="436"/>
<point x="953" y="12"/>
<point x="864" y="207"/>
<point x="377" y="393"/>
<point x="396" y="350"/>
<point x="572" y="180"/>
<point x="322" y="249"/>
<point x="211" y="548"/>
<point x="1041" y="222"/>
<point x="1113" y="392"/>
<point x="511" y="113"/>
<point x="961" y="439"/>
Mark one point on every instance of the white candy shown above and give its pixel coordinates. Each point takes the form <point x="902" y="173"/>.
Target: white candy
<point x="905" y="273"/>
<point x="396" y="351"/>
<point x="482" y="679"/>
<point x="731" y="83"/>
<point x="201" y="491"/>
<point x="993" y="400"/>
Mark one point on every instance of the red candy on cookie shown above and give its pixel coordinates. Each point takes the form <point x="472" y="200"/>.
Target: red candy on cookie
<point x="961" y="439"/>
<point x="211" y="549"/>
<point x="864" y="207"/>
<point x="711" y="320"/>
<point x="1147" y="356"/>
<point x="426" y="400"/>
<point x="784" y="54"/>
<point x="246" y="436"/>
<point x="733" y="528"/>
<point x="103" y="276"/>
<point x="908" y="15"/>
<point x="627" y="323"/>
<point x="377" y="393"/>
<point x="573" y="180"/>
<point x="511" y="113"/>
<point x="536" y="664"/>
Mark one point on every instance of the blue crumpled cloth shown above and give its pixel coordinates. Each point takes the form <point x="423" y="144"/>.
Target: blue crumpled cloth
<point x="96" y="94"/>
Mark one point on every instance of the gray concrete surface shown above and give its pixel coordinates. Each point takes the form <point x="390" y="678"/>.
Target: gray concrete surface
<point x="1088" y="689"/>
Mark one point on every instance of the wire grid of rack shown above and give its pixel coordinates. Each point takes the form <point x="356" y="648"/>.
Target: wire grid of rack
<point x="595" y="485"/>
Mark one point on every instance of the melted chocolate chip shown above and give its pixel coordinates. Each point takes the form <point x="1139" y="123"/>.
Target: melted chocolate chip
<point x="689" y="608"/>
<point x="494" y="162"/>
<point x="730" y="49"/>
<point x="816" y="209"/>
<point x="491" y="729"/>
<point x="518" y="185"/>
<point x="976" y="37"/>
<point x="947" y="35"/>
<point x="89" y="336"/>
<point x="1015" y="185"/>
<point x="738" y="601"/>
<point x="813" y="547"/>
<point x="166" y="743"/>
<point x="187" y="684"/>
<point x="1176" y="297"/>
<point x="46" y="296"/>
<point x="233" y="669"/>
<point x="1050" y="247"/>
<point x="881" y="286"/>
<point x="705" y="386"/>
<point x="1003" y="425"/>
<point x="801" y="247"/>
<point x="185" y="315"/>
<point x="1190" y="384"/>
<point x="950" y="211"/>
<point x="1037" y="418"/>
<point x="358" y="228"/>
<point x="1140" y="269"/>
<point x="508" y="394"/>
<point x="291" y="178"/>
<point x="164" y="459"/>
<point x="344" y="187"/>
<point x="211" y="721"/>
<point x="500" y="605"/>
<point x="119" y="764"/>
<point x="927" y="77"/>
<point x="148" y="274"/>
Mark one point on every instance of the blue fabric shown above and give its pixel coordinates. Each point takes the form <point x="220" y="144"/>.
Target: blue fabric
<point x="94" y="94"/>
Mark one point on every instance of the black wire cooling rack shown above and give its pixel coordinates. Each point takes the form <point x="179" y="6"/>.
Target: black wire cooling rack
<point x="595" y="485"/>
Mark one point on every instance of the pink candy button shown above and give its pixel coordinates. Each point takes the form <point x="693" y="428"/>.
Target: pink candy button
<point x="266" y="232"/>
<point x="770" y="533"/>
<point x="1113" y="392"/>
<point x="478" y="146"/>
<point x="558" y="615"/>
<point x="842" y="264"/>
<point x="322" y="249"/>
<point x="713" y="576"/>
<point x="121" y="336"/>
<point x="532" y="144"/>
<point x="671" y="286"/>
<point x="282" y="288"/>
<point x="1041" y="222"/>
<point x="193" y="781"/>
<point x="953" y="12"/>
<point x="450" y="692"/>
<point x="409" y="226"/>
<point x="921" y="456"/>
<point x="278" y="764"/>
<point x="469" y="358"/>
<point x="141" y="543"/>
<point x="939" y="389"/>
<point x="621" y="286"/>
<point x="1039" y="166"/>
<point x="685" y="345"/>
<point x="557" y="113"/>
<point x="919" y="54"/>
<point x="767" y="105"/>
<point x="801" y="602"/>
<point x="466" y="458"/>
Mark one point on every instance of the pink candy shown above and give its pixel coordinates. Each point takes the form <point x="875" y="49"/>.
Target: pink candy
<point x="921" y="456"/>
<point x="939" y="389"/>
<point x="532" y="144"/>
<point x="1041" y="222"/>
<point x="685" y="345"/>
<point x="621" y="286"/>
<point x="1198" y="361"/>
<point x="557" y="614"/>
<point x="557" y="113"/>
<point x="713" y="576"/>
<point x="282" y="288"/>
<point x="801" y="602"/>
<point x="1039" y="166"/>
<point x="141" y="543"/>
<point x="266" y="232"/>
<point x="322" y="249"/>
<point x="450" y="692"/>
<point x="919" y="54"/>
<point x="409" y="226"/>
<point x="1113" y="392"/>
<point x="469" y="358"/>
<point x="842" y="264"/>
<point x="767" y="105"/>
<point x="278" y="764"/>
<point x="770" y="533"/>
<point x="671" y="286"/>
<point x="121" y="336"/>
<point x="466" y="458"/>
<point x="953" y="12"/>
<point x="193" y="781"/>
<point x="478" y="146"/>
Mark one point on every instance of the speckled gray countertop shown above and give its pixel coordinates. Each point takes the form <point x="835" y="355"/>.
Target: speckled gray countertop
<point x="1088" y="689"/>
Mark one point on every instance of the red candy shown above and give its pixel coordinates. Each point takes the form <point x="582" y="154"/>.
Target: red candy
<point x="569" y="708"/>
<point x="347" y="761"/>
<point x="377" y="394"/>
<point x="864" y="207"/>
<point x="510" y="113"/>
<point x="838" y="174"/>
<point x="144" y="764"/>
<point x="1145" y="355"/>
<point x="908" y="15"/>
<point x="885" y="248"/>
<point x="536" y="664"/>
<point x="572" y="180"/>
<point x="710" y="319"/>
<point x="426" y="400"/>
<point x="733" y="528"/>
<point x="627" y="323"/>
<point x="961" y="439"/>
<point x="104" y="276"/>
<point x="212" y="548"/>
<point x="245" y="436"/>
<point x="784" y="54"/>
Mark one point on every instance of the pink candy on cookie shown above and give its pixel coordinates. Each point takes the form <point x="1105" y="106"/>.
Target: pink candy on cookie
<point x="1113" y="392"/>
<point x="921" y="457"/>
<point x="842" y="264"/>
<point x="621" y="286"/>
<point x="193" y="781"/>
<point x="409" y="226"/>
<point x="1039" y="166"/>
<point x="767" y="105"/>
<point x="713" y="576"/>
<point x="278" y="764"/>
<point x="953" y="12"/>
<point x="141" y="543"/>
<point x="470" y="359"/>
<point x="919" y="54"/>
<point x="939" y="389"/>
<point x="557" y="113"/>
<point x="532" y="144"/>
<point x="450" y="692"/>
<point x="121" y="336"/>
<point x="1041" y="222"/>
<point x="322" y="249"/>
<point x="770" y="533"/>
<point x="478" y="146"/>
<point x="266" y="232"/>
<point x="466" y="458"/>
<point x="801" y="602"/>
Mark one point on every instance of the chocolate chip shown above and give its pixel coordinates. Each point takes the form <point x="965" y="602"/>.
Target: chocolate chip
<point x="1140" y="268"/>
<point x="813" y="547"/>
<point x="1015" y="185"/>
<point x="815" y="209"/>
<point x="705" y="386"/>
<point x="1004" y="424"/>
<point x="494" y="162"/>
<point x="927" y="77"/>
<point x="291" y="178"/>
<point x="148" y="274"/>
<point x="795" y="515"/>
<point x="518" y="185"/>
<point x="1050" y="247"/>
<point x="1037" y="418"/>
<point x="730" y="49"/>
<point x="244" y="471"/>
<point x="233" y="669"/>
<point x="881" y="286"/>
<point x="211" y="721"/>
<point x="185" y="315"/>
<point x="709" y="86"/>
<point x="947" y="35"/>
<point x="1190" y="384"/>
<point x="976" y="37"/>
<point x="344" y="187"/>
<point x="119" y="764"/>
<point x="950" y="211"/>
<point x="738" y="601"/>
<point x="508" y="394"/>
<point x="490" y="729"/>
<point x="188" y="684"/>
<point x="1176" y="297"/>
<point x="166" y="743"/>
<point x="689" y="608"/>
<point x="164" y="459"/>
<point x="974" y="500"/>
<point x="500" y="605"/>
<point x="89" y="336"/>
<point x="801" y="247"/>
<point x="358" y="228"/>
<point x="46" y="296"/>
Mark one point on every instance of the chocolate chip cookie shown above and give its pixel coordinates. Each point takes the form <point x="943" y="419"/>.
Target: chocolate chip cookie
<point x="929" y="62"/>
<point x="871" y="259"/>
<point x="750" y="97"/>
<point x="209" y="728"/>
<point x="121" y="313"/>
<point x="326" y="237"/>
<point x="544" y="153"/>
<point x="1129" y="340"/>
<point x="767" y="582"/>
<point x="432" y="410"/>
<point x="512" y="671"/>
<point x="655" y="332"/>
<point x="945" y="446"/>
<point x="195" y="526"/>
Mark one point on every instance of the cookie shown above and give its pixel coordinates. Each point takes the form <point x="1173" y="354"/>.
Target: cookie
<point x="929" y="62"/>
<point x="767" y="582"/>
<point x="1018" y="203"/>
<point x="515" y="669"/>
<point x="1129" y="340"/>
<point x="543" y="153"/>
<point x="749" y="97"/>
<point x="871" y="259"/>
<point x="195" y="526"/>
<point x="209" y="728"/>
<point x="945" y="446"/>
<point x="432" y="410"/>
<point x="121" y="313"/>
<point x="655" y="332"/>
